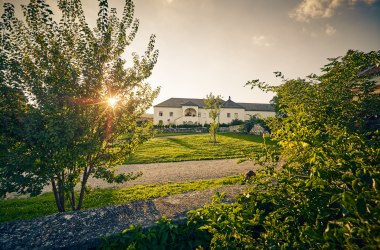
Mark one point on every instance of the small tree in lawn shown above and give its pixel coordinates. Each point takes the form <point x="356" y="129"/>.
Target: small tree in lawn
<point x="69" y="108"/>
<point x="213" y="105"/>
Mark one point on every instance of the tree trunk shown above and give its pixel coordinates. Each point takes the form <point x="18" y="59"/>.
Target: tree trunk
<point x="86" y="174"/>
<point x="57" y="197"/>
<point x="61" y="191"/>
<point x="72" y="199"/>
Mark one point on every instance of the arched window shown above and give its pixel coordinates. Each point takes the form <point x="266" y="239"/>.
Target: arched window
<point x="190" y="112"/>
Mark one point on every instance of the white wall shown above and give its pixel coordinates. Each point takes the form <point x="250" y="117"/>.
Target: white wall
<point x="178" y="115"/>
<point x="204" y="116"/>
<point x="223" y="118"/>
<point x="166" y="118"/>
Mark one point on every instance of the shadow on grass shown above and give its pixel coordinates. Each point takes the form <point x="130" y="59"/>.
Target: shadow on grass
<point x="182" y="143"/>
<point x="249" y="137"/>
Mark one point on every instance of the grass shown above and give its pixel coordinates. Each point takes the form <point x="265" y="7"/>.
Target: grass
<point x="196" y="147"/>
<point x="177" y="134"/>
<point x="168" y="149"/>
<point x="33" y="207"/>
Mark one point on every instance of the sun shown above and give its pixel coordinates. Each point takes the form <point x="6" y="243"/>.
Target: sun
<point x="112" y="101"/>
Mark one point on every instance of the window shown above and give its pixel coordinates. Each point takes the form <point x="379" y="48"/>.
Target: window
<point x="171" y="114"/>
<point x="199" y="114"/>
<point x="160" y="113"/>
<point x="204" y="115"/>
<point x="190" y="112"/>
<point x="228" y="115"/>
<point x="236" y="115"/>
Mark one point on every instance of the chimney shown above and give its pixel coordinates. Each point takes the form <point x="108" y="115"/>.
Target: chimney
<point x="229" y="98"/>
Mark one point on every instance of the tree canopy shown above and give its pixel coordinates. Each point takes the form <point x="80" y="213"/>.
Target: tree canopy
<point x="69" y="107"/>
<point x="320" y="187"/>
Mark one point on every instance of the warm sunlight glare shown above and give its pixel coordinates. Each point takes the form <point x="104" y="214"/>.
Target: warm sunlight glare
<point x="112" y="101"/>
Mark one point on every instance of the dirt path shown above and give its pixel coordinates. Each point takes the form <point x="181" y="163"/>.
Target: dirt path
<point x="170" y="172"/>
<point x="174" y="172"/>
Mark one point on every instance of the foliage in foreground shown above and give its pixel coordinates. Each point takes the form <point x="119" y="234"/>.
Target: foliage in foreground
<point x="66" y="98"/>
<point x="320" y="188"/>
<point x="165" y="235"/>
<point x="325" y="192"/>
<point x="33" y="207"/>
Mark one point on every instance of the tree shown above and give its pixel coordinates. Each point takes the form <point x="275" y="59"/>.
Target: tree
<point x="69" y="107"/>
<point x="319" y="188"/>
<point x="213" y="105"/>
<point x="252" y="121"/>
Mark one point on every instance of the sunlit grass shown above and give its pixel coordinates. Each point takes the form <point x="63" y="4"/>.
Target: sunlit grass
<point x="178" y="134"/>
<point x="197" y="147"/>
<point x="33" y="207"/>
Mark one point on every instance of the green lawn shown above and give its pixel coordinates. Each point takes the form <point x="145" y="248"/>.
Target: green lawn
<point x="167" y="149"/>
<point x="33" y="207"/>
<point x="196" y="147"/>
<point x="177" y="134"/>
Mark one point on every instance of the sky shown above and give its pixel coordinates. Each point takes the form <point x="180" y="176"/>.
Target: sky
<point x="218" y="45"/>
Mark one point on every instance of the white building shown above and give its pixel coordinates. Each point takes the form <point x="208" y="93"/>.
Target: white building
<point x="179" y="111"/>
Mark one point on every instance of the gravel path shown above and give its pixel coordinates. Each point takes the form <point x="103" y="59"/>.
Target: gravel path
<point x="83" y="229"/>
<point x="170" y="172"/>
<point x="176" y="172"/>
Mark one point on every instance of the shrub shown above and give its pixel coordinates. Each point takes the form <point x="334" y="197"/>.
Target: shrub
<point x="236" y="122"/>
<point x="165" y="235"/>
<point x="320" y="188"/>
<point x="324" y="193"/>
<point x="252" y="121"/>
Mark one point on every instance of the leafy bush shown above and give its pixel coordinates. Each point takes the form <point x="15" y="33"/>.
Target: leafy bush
<point x="252" y="121"/>
<point x="165" y="235"/>
<point x="224" y="125"/>
<point x="320" y="188"/>
<point x="180" y="126"/>
<point x="236" y="122"/>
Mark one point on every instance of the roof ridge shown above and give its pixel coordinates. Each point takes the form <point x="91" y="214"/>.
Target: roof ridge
<point x="177" y="102"/>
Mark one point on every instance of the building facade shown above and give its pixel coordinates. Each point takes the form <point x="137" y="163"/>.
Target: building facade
<point x="178" y="111"/>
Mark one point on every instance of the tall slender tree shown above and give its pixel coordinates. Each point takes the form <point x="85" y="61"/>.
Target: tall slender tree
<point x="69" y="107"/>
<point x="213" y="105"/>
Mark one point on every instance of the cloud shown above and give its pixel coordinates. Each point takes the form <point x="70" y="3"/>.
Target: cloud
<point x="261" y="41"/>
<point x="329" y="30"/>
<point x="313" y="9"/>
